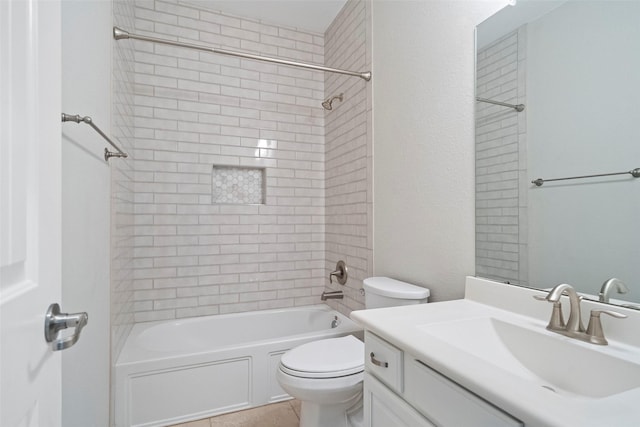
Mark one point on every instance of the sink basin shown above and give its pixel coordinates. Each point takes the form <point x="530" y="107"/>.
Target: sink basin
<point x="560" y="364"/>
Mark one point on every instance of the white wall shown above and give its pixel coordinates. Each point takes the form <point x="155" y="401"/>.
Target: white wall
<point x="423" y="92"/>
<point x="582" y="88"/>
<point x="86" y="71"/>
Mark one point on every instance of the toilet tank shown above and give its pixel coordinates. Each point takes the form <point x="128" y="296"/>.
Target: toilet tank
<point x="387" y="292"/>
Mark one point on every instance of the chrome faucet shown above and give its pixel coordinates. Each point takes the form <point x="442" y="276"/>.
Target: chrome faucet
<point x="331" y="295"/>
<point x="621" y="288"/>
<point x="574" y="324"/>
<point x="574" y="327"/>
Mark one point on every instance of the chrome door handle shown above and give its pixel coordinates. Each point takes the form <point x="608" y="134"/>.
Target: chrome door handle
<point x="377" y="362"/>
<point x="55" y="321"/>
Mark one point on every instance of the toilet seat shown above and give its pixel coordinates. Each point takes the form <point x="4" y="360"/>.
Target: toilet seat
<point x="328" y="358"/>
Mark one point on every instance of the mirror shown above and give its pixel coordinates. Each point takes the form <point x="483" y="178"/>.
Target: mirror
<point x="575" y="66"/>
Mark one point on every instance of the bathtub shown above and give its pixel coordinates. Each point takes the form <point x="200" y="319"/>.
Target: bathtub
<point x="174" y="371"/>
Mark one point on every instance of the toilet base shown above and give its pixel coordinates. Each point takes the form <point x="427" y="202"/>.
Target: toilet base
<point x="344" y="414"/>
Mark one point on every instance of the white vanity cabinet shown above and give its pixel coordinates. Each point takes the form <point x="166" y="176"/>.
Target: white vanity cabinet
<point x="400" y="390"/>
<point x="383" y="408"/>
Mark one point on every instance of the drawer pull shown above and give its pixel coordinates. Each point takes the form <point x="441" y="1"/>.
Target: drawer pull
<point x="377" y="362"/>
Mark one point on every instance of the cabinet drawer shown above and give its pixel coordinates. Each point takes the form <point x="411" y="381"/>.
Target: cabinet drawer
<point x="383" y="408"/>
<point x="384" y="361"/>
<point x="448" y="404"/>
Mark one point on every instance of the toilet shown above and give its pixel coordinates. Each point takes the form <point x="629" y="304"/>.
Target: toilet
<point x="326" y="375"/>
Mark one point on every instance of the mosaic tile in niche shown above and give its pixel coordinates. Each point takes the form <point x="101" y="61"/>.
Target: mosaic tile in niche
<point x="237" y="185"/>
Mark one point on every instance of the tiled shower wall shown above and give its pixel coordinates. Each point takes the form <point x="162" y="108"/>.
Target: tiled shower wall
<point x="122" y="182"/>
<point x="348" y="153"/>
<point x="501" y="184"/>
<point x="196" y="110"/>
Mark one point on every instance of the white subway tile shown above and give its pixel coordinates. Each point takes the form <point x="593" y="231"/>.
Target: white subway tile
<point x="208" y="310"/>
<point x="262" y="29"/>
<point x="175" y="94"/>
<point x="174" y="303"/>
<point x="239" y="33"/>
<point x="203" y="109"/>
<point x="198" y="270"/>
<point x="238" y="288"/>
<point x="154" y="294"/>
<point x="175" y="9"/>
<point x="199" y="86"/>
<point x="197" y="24"/>
<point x="198" y="291"/>
<point x="220" y="19"/>
<point x="220" y="41"/>
<point x="151" y="316"/>
<point x="175" y="282"/>
<point x="197" y="65"/>
<point x="238" y="308"/>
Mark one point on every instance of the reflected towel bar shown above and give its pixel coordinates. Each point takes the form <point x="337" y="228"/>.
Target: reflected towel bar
<point x="634" y="173"/>
<point x="86" y="119"/>
<point x="120" y="34"/>
<point x="518" y="107"/>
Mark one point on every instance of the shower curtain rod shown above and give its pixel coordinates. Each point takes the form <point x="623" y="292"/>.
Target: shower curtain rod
<point x="119" y="33"/>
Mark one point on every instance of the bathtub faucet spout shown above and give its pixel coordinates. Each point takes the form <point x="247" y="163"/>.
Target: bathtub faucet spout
<point x="331" y="295"/>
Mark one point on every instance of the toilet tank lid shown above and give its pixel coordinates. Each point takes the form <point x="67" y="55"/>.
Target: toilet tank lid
<point x="392" y="288"/>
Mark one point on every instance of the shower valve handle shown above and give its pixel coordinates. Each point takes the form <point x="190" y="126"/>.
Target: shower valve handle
<point x="341" y="273"/>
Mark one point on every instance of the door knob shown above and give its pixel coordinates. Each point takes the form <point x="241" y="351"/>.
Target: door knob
<point x="55" y="321"/>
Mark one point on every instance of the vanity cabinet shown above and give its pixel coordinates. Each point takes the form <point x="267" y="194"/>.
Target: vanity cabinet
<point x="383" y="408"/>
<point x="400" y="390"/>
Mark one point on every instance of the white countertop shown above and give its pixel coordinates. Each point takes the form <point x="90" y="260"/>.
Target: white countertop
<point x="407" y="328"/>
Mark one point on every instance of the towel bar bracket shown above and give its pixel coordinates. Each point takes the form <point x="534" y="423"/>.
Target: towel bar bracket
<point x="86" y="119"/>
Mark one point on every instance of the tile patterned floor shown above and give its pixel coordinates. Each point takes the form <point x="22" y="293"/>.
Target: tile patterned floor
<point x="283" y="414"/>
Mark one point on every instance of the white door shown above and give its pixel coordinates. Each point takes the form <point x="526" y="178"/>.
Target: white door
<point x="29" y="210"/>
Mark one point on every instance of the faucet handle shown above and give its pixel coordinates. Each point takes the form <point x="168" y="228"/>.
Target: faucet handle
<point x="594" y="330"/>
<point x="341" y="273"/>
<point x="556" y="322"/>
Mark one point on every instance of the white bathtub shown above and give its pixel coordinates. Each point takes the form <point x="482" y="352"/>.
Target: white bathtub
<point x="180" y="370"/>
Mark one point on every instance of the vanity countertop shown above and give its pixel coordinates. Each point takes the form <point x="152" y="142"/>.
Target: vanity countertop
<point x="441" y="335"/>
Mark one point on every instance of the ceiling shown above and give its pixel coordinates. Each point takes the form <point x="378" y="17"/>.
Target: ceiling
<point x="310" y="15"/>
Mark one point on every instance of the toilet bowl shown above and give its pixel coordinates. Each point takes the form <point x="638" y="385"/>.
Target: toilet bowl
<point x="326" y="375"/>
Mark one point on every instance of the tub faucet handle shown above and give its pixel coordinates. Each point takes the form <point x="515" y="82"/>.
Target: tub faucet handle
<point x="341" y="273"/>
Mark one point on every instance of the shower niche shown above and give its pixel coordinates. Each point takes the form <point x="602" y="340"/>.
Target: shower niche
<point x="238" y="185"/>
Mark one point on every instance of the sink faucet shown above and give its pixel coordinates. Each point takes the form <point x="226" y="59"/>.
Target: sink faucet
<point x="574" y="328"/>
<point x="574" y="324"/>
<point x="621" y="288"/>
